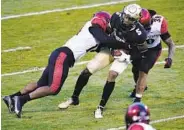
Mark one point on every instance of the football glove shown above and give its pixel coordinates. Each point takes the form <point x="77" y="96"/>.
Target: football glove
<point x="168" y="63"/>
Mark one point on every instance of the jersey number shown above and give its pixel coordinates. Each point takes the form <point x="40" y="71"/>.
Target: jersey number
<point x="138" y="31"/>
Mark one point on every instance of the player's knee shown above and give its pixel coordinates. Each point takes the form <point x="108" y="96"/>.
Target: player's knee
<point x="54" y="90"/>
<point x="112" y="76"/>
<point x="145" y="69"/>
<point x="86" y="73"/>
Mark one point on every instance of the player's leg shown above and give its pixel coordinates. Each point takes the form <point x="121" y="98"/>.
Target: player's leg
<point x="58" y="71"/>
<point x="145" y="66"/>
<point x="100" y="61"/>
<point x="117" y="68"/>
<point x="27" y="89"/>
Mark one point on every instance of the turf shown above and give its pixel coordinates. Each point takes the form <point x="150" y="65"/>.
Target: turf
<point x="44" y="33"/>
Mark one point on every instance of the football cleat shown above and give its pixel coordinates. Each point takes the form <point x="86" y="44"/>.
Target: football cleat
<point x="18" y="106"/>
<point x="98" y="112"/>
<point x="9" y="103"/>
<point x="136" y="100"/>
<point x="132" y="94"/>
<point x="69" y="102"/>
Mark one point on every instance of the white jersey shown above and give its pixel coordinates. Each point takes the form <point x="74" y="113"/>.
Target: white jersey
<point x="153" y="36"/>
<point x="140" y="126"/>
<point x="82" y="42"/>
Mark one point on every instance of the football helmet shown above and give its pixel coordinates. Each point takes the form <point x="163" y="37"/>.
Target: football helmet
<point x="145" y="19"/>
<point x="103" y="14"/>
<point x="102" y="18"/>
<point x="137" y="112"/>
<point x="130" y="14"/>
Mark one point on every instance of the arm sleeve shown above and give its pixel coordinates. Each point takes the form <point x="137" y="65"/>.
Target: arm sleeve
<point x="165" y="36"/>
<point x="106" y="40"/>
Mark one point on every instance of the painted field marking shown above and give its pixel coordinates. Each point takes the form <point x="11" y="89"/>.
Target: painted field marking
<point x="17" y="49"/>
<point x="153" y="122"/>
<point x="78" y="63"/>
<point x="35" y="69"/>
<point x="65" y="9"/>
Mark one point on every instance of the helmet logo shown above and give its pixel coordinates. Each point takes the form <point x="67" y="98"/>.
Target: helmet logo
<point x="132" y="9"/>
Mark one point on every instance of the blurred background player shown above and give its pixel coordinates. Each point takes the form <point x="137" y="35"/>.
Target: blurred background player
<point x="157" y="29"/>
<point x="125" y="28"/>
<point x="137" y="117"/>
<point x="93" y="34"/>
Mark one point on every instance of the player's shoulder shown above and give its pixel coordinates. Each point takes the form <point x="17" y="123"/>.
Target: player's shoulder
<point x="141" y="32"/>
<point x="116" y="15"/>
<point x="115" y="19"/>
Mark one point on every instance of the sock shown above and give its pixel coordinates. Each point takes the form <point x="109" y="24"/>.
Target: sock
<point x="108" y="88"/>
<point x="24" y="99"/>
<point x="101" y="108"/>
<point x="81" y="82"/>
<point x="138" y="97"/>
<point x="16" y="94"/>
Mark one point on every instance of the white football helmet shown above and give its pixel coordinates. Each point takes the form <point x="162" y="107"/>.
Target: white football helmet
<point x="131" y="13"/>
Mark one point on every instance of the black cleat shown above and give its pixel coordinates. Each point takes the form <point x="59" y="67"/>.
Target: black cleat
<point x="18" y="106"/>
<point x="75" y="101"/>
<point x="9" y="103"/>
<point x="132" y="94"/>
<point x="137" y="100"/>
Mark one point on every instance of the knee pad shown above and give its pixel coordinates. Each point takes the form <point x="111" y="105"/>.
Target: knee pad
<point x="112" y="76"/>
<point x="86" y="73"/>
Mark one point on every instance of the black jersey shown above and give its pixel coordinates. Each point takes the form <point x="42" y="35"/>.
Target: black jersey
<point x="134" y="34"/>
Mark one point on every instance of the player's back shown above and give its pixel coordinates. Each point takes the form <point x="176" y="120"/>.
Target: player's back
<point x="140" y="126"/>
<point x="82" y="42"/>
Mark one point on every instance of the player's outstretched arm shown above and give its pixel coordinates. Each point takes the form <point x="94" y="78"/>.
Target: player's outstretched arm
<point x="107" y="40"/>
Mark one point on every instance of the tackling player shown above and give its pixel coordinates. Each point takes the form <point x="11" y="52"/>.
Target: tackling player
<point x="137" y="117"/>
<point x="93" y="34"/>
<point x="125" y="27"/>
<point x="157" y="29"/>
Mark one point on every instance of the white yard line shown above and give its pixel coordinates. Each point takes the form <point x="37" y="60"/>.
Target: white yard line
<point x="65" y="9"/>
<point x="153" y="122"/>
<point x="17" y="49"/>
<point x="78" y="63"/>
<point x="29" y="48"/>
<point x="179" y="46"/>
<point x="37" y="69"/>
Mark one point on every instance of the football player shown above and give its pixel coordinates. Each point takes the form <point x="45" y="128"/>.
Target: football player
<point x="92" y="34"/>
<point x="137" y="117"/>
<point x="157" y="29"/>
<point x="125" y="27"/>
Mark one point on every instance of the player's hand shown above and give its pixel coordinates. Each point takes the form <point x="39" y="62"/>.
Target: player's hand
<point x="168" y="63"/>
<point x="118" y="52"/>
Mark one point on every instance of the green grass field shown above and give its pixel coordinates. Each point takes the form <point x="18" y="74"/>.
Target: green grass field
<point x="44" y="33"/>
